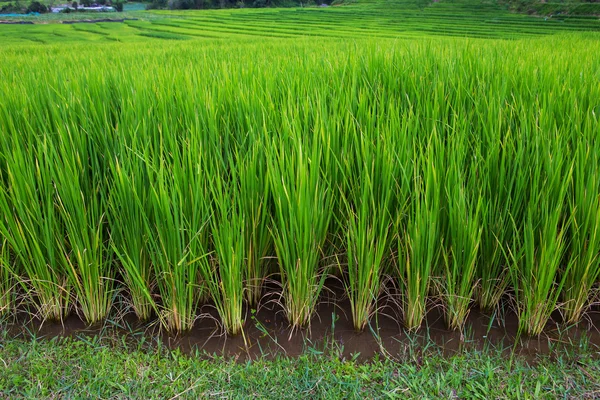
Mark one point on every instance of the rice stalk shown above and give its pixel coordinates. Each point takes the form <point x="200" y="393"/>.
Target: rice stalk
<point x="178" y="232"/>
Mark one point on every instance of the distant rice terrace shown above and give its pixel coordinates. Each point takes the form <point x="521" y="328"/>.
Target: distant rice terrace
<point x="369" y="19"/>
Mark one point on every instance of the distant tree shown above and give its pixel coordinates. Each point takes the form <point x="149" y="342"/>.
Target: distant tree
<point x="11" y="8"/>
<point x="157" y="4"/>
<point x="75" y="5"/>
<point x="36" y="7"/>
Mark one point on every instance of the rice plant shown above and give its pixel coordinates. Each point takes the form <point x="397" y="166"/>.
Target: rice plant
<point x="7" y="280"/>
<point x="584" y="205"/>
<point x="128" y="217"/>
<point x="302" y="201"/>
<point x="539" y="249"/>
<point x="254" y="197"/>
<point x="419" y="246"/>
<point x="178" y="234"/>
<point x="369" y="231"/>
<point x="462" y="240"/>
<point x="504" y="194"/>
<point x="81" y="202"/>
<point x="224" y="278"/>
<point x="32" y="229"/>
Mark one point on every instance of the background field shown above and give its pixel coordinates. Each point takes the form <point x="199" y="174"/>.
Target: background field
<point x="376" y="19"/>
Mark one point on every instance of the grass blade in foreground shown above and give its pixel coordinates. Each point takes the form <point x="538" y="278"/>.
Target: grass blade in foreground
<point x="7" y="280"/>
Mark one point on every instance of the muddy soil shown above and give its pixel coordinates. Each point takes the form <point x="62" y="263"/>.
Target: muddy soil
<point x="267" y="333"/>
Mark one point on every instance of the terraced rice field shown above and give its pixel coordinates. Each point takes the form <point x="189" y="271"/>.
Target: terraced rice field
<point x="436" y="155"/>
<point x="368" y="19"/>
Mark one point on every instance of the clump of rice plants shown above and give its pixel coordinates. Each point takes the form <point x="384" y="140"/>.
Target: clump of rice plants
<point x="537" y="251"/>
<point x="178" y="233"/>
<point x="584" y="205"/>
<point x="504" y="195"/>
<point x="32" y="229"/>
<point x="128" y="217"/>
<point x="419" y="246"/>
<point x="302" y="202"/>
<point x="254" y="197"/>
<point x="369" y="230"/>
<point x="188" y="175"/>
<point x="463" y="235"/>
<point x="81" y="202"/>
<point x="225" y="274"/>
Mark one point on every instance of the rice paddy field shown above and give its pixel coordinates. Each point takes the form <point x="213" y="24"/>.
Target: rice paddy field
<point x="387" y="19"/>
<point x="430" y="156"/>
